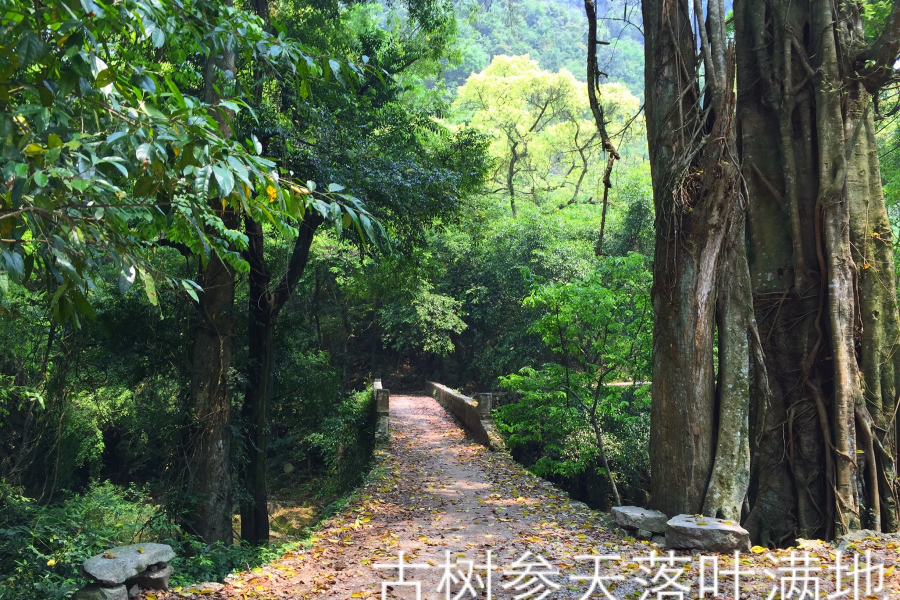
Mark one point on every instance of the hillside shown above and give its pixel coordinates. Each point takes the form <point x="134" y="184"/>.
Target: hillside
<point x="553" y="32"/>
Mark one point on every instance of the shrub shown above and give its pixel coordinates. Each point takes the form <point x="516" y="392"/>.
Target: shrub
<point x="42" y="547"/>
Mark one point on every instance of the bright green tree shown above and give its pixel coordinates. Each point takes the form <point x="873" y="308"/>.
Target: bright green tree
<point x="545" y="142"/>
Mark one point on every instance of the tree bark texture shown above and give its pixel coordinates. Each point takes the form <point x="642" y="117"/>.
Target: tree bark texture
<point x="821" y="270"/>
<point x="700" y="274"/>
<point x="209" y="478"/>
<point x="265" y="304"/>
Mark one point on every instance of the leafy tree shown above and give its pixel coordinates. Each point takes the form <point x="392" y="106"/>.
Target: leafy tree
<point x="145" y="156"/>
<point x="598" y="331"/>
<point x="545" y="142"/>
<point x="394" y="157"/>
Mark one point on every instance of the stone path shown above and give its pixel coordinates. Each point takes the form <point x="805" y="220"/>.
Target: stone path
<point x="435" y="493"/>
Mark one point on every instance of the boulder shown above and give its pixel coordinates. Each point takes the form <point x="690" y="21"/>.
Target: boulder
<point x="706" y="533"/>
<point x="635" y="517"/>
<point x="96" y="592"/>
<point x="153" y="579"/>
<point x="134" y="591"/>
<point x="120" y="564"/>
<point x="659" y="540"/>
<point x="643" y="534"/>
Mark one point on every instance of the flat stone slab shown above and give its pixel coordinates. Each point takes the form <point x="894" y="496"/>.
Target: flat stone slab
<point x="635" y="517"/>
<point x="706" y="533"/>
<point x="117" y="565"/>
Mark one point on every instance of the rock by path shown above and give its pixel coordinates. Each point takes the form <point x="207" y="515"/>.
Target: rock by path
<point x="435" y="491"/>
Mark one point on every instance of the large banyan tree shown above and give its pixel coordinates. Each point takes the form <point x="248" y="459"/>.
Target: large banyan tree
<point x="775" y="375"/>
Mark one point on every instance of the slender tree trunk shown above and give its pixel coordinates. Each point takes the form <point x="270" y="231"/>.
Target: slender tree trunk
<point x="209" y="485"/>
<point x="265" y="305"/>
<point x="260" y="364"/>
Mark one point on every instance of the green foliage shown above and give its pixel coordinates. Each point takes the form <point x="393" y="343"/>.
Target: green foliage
<point x="552" y="33"/>
<point x="342" y="443"/>
<point x="598" y="329"/>
<point x="423" y="322"/>
<point x="42" y="547"/>
<point x="544" y="140"/>
<point x="109" y="146"/>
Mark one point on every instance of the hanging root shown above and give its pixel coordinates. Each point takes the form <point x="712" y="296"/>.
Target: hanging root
<point x="866" y="427"/>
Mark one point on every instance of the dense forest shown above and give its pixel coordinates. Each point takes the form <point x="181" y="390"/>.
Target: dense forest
<point x="220" y="222"/>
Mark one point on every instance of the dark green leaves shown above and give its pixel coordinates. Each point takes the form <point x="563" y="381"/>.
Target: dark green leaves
<point x="30" y="48"/>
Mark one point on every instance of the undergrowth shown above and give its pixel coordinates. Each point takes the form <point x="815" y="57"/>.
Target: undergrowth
<point x="42" y="547"/>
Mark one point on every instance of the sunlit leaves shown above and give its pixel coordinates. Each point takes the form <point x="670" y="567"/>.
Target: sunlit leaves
<point x="105" y="154"/>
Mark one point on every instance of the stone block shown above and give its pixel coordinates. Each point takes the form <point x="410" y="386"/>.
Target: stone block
<point x="643" y="534"/>
<point x="383" y="401"/>
<point x="153" y="579"/>
<point x="707" y="534"/>
<point x="659" y="540"/>
<point x="484" y="403"/>
<point x="635" y="517"/>
<point x="97" y="592"/>
<point x="383" y="430"/>
<point x="114" y="567"/>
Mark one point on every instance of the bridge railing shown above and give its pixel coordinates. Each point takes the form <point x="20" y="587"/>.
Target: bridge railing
<point x="473" y="412"/>
<point x="383" y="406"/>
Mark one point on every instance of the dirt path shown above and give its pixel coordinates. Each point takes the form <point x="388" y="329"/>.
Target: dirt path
<point x="435" y="491"/>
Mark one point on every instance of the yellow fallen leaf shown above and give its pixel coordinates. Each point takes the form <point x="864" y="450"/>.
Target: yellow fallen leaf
<point x="141" y="550"/>
<point x="356" y="595"/>
<point x="757" y="549"/>
<point x="702" y="523"/>
<point x="150" y="596"/>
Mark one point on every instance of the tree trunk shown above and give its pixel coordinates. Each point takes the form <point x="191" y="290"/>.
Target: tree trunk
<point x="823" y="284"/>
<point x="265" y="305"/>
<point x="700" y="277"/>
<point x="209" y="485"/>
<point x="260" y="363"/>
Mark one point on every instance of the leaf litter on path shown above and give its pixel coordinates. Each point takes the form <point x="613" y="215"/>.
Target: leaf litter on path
<point x="437" y="496"/>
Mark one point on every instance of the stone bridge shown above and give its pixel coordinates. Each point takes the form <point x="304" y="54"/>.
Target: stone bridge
<point x="474" y="413"/>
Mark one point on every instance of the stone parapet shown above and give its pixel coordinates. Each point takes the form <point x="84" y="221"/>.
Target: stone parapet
<point x="474" y="413"/>
<point x="383" y="406"/>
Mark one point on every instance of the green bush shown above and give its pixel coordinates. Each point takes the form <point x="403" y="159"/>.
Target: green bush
<point x="346" y="441"/>
<point x="42" y="547"/>
<point x="598" y="330"/>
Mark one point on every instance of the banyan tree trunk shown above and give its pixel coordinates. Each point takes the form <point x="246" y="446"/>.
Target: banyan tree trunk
<point x="788" y="263"/>
<point x="699" y="449"/>
<point x="822" y="271"/>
